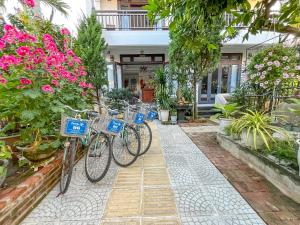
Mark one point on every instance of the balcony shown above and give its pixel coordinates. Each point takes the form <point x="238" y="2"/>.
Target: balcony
<point x="136" y="20"/>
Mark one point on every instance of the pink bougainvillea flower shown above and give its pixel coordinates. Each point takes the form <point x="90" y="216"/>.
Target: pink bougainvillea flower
<point x="3" y="81"/>
<point x="24" y="37"/>
<point x="38" y="55"/>
<point x="23" y="51"/>
<point x="91" y="86"/>
<point x="84" y="93"/>
<point x="47" y="38"/>
<point x="72" y="79"/>
<point x="47" y="88"/>
<point x="25" y="81"/>
<point x="83" y="84"/>
<point x="2" y="45"/>
<point x="8" y="60"/>
<point x="65" y="31"/>
<point x="55" y="83"/>
<point x="51" y="47"/>
<point x="29" y="3"/>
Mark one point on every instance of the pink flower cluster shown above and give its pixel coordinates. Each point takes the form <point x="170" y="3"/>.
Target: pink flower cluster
<point x="30" y="56"/>
<point x="29" y="3"/>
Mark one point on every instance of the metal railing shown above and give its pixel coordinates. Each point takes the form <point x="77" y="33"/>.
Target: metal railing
<point x="136" y="20"/>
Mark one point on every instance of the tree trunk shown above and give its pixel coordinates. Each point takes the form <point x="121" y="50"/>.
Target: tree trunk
<point x="194" y="98"/>
<point x="98" y="96"/>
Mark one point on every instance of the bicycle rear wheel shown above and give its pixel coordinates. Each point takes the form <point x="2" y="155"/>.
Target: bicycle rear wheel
<point x="98" y="157"/>
<point x="67" y="165"/>
<point x="126" y="146"/>
<point x="145" y="133"/>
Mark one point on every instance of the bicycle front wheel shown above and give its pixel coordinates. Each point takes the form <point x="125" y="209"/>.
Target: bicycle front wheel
<point x="145" y="133"/>
<point x="98" y="157"/>
<point x="67" y="165"/>
<point x="126" y="146"/>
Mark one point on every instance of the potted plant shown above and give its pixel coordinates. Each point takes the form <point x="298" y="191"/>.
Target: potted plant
<point x="255" y="129"/>
<point x="164" y="109"/>
<point x="174" y="116"/>
<point x="226" y="114"/>
<point x="5" y="155"/>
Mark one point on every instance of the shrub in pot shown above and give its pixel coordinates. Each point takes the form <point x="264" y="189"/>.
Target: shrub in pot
<point x="5" y="155"/>
<point x="255" y="129"/>
<point x="174" y="115"/>
<point x="226" y="115"/>
<point x="164" y="109"/>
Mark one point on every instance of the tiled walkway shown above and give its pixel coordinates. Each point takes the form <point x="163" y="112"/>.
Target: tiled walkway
<point x="274" y="207"/>
<point x="203" y="195"/>
<point x="174" y="183"/>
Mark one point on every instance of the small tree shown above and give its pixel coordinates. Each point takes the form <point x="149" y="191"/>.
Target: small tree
<point x="196" y="55"/>
<point x="91" y="47"/>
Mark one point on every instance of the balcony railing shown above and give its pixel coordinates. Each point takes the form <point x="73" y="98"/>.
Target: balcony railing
<point x="136" y="20"/>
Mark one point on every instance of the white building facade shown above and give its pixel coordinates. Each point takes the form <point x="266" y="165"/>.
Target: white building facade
<point x="136" y="49"/>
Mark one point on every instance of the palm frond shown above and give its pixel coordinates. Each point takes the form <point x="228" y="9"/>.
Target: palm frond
<point x="2" y="4"/>
<point x="58" y="5"/>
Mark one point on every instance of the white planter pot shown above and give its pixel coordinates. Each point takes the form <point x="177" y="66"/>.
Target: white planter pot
<point x="224" y="123"/>
<point x="164" y="115"/>
<point x="174" y="119"/>
<point x="159" y="115"/>
<point x="249" y="142"/>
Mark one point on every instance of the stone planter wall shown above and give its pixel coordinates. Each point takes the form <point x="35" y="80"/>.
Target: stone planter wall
<point x="287" y="181"/>
<point x="16" y="202"/>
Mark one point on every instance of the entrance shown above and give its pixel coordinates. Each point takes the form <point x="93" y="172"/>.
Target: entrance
<point x="225" y="79"/>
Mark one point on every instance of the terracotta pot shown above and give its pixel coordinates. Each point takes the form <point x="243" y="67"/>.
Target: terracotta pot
<point x="33" y="153"/>
<point x="11" y="140"/>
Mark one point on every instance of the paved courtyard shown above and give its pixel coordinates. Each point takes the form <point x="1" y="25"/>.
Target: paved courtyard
<point x="174" y="183"/>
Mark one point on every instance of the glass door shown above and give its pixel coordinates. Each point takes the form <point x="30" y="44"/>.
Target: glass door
<point x="224" y="79"/>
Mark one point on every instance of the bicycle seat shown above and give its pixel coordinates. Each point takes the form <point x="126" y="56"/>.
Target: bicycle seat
<point x="92" y="113"/>
<point x="113" y="112"/>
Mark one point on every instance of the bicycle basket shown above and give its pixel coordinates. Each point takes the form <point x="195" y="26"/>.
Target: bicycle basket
<point x="73" y="127"/>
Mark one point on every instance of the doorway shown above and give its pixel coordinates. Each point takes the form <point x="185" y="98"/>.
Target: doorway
<point x="225" y="79"/>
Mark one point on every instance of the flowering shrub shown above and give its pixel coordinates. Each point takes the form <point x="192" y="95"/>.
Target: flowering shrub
<point x="39" y="73"/>
<point x="272" y="67"/>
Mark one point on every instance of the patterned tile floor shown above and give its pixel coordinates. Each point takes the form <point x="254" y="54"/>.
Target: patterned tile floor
<point x="174" y="183"/>
<point x="203" y="195"/>
<point x="273" y="206"/>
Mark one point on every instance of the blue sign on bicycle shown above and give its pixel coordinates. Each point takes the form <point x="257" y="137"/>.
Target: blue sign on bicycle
<point x="115" y="126"/>
<point x="151" y="115"/>
<point x="76" y="127"/>
<point x="139" y="118"/>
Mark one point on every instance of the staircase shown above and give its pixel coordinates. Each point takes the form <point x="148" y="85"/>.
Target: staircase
<point x="206" y="110"/>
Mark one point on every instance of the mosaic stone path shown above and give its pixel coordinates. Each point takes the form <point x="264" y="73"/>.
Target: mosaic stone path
<point x="174" y="183"/>
<point x="203" y="195"/>
<point x="138" y="195"/>
<point x="83" y="204"/>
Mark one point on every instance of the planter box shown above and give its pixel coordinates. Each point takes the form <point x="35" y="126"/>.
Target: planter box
<point x="285" y="179"/>
<point x="16" y="202"/>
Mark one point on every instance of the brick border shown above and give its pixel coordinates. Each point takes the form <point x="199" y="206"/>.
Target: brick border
<point x="18" y="201"/>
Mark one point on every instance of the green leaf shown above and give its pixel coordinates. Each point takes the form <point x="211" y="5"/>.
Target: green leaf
<point x="29" y="115"/>
<point x="32" y="93"/>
